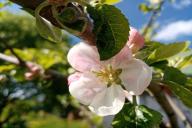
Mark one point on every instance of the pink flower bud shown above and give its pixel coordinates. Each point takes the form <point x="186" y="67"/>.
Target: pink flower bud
<point x="136" y="40"/>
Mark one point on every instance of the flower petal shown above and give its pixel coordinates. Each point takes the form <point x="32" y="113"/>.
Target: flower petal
<point x="136" y="76"/>
<point x="108" y="102"/>
<point x="74" y="77"/>
<point x="86" y="87"/>
<point x="83" y="57"/>
<point x="124" y="54"/>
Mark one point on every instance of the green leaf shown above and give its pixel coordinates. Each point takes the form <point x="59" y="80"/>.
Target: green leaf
<point x="68" y="15"/>
<point x="189" y="84"/>
<point x="181" y="92"/>
<point x="187" y="61"/>
<point x="109" y="1"/>
<point x="44" y="27"/>
<point x="175" y="75"/>
<point x="47" y="30"/>
<point x="166" y="51"/>
<point x="71" y="20"/>
<point x="111" y="28"/>
<point x="147" y="50"/>
<point x="132" y="116"/>
<point x="97" y="18"/>
<point x="160" y="65"/>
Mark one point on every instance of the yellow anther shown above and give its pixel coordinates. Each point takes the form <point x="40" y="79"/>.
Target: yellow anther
<point x="109" y="75"/>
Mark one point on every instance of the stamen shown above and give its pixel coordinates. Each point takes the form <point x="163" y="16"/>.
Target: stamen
<point x="109" y="75"/>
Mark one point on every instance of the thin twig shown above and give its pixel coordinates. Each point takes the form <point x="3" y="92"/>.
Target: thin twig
<point x="21" y="61"/>
<point x="159" y="95"/>
<point x="47" y="74"/>
<point x="187" y="122"/>
<point x="9" y="59"/>
<point x="152" y="19"/>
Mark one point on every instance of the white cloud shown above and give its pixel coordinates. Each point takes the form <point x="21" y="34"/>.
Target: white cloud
<point x="174" y="30"/>
<point x="182" y="4"/>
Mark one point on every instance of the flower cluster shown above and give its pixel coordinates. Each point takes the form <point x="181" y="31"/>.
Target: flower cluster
<point x="103" y="85"/>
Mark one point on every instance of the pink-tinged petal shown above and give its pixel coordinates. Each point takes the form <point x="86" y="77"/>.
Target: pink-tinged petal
<point x="86" y="87"/>
<point x="74" y="77"/>
<point x="83" y="57"/>
<point x="124" y="54"/>
<point x="108" y="102"/>
<point x="136" y="40"/>
<point x="136" y="76"/>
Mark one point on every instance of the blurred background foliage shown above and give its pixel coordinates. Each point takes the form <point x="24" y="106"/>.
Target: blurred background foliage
<point x="41" y="102"/>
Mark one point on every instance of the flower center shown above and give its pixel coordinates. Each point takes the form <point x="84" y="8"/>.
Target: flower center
<point x="109" y="75"/>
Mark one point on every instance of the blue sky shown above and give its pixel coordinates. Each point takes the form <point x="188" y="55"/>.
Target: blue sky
<point x="175" y="20"/>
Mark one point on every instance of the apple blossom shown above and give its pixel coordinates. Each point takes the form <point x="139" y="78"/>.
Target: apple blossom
<point x="101" y="84"/>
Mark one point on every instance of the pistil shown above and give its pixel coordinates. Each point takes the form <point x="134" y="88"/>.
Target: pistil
<point x="109" y="75"/>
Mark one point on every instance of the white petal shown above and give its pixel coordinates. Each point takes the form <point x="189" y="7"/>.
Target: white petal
<point x="136" y="76"/>
<point x="86" y="87"/>
<point x="83" y="57"/>
<point x="109" y="102"/>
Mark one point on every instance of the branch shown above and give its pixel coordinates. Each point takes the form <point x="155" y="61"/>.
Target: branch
<point x="21" y="61"/>
<point x="48" y="74"/>
<point x="185" y="119"/>
<point x="164" y="103"/>
<point x="32" y="4"/>
<point x="9" y="59"/>
<point x="87" y="35"/>
<point x="152" y="19"/>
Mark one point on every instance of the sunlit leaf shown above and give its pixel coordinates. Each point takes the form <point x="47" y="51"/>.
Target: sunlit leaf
<point x="166" y="51"/>
<point x="110" y="1"/>
<point x="47" y="30"/>
<point x="132" y="116"/>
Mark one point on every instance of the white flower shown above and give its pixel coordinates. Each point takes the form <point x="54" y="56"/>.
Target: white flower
<point x="98" y="84"/>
